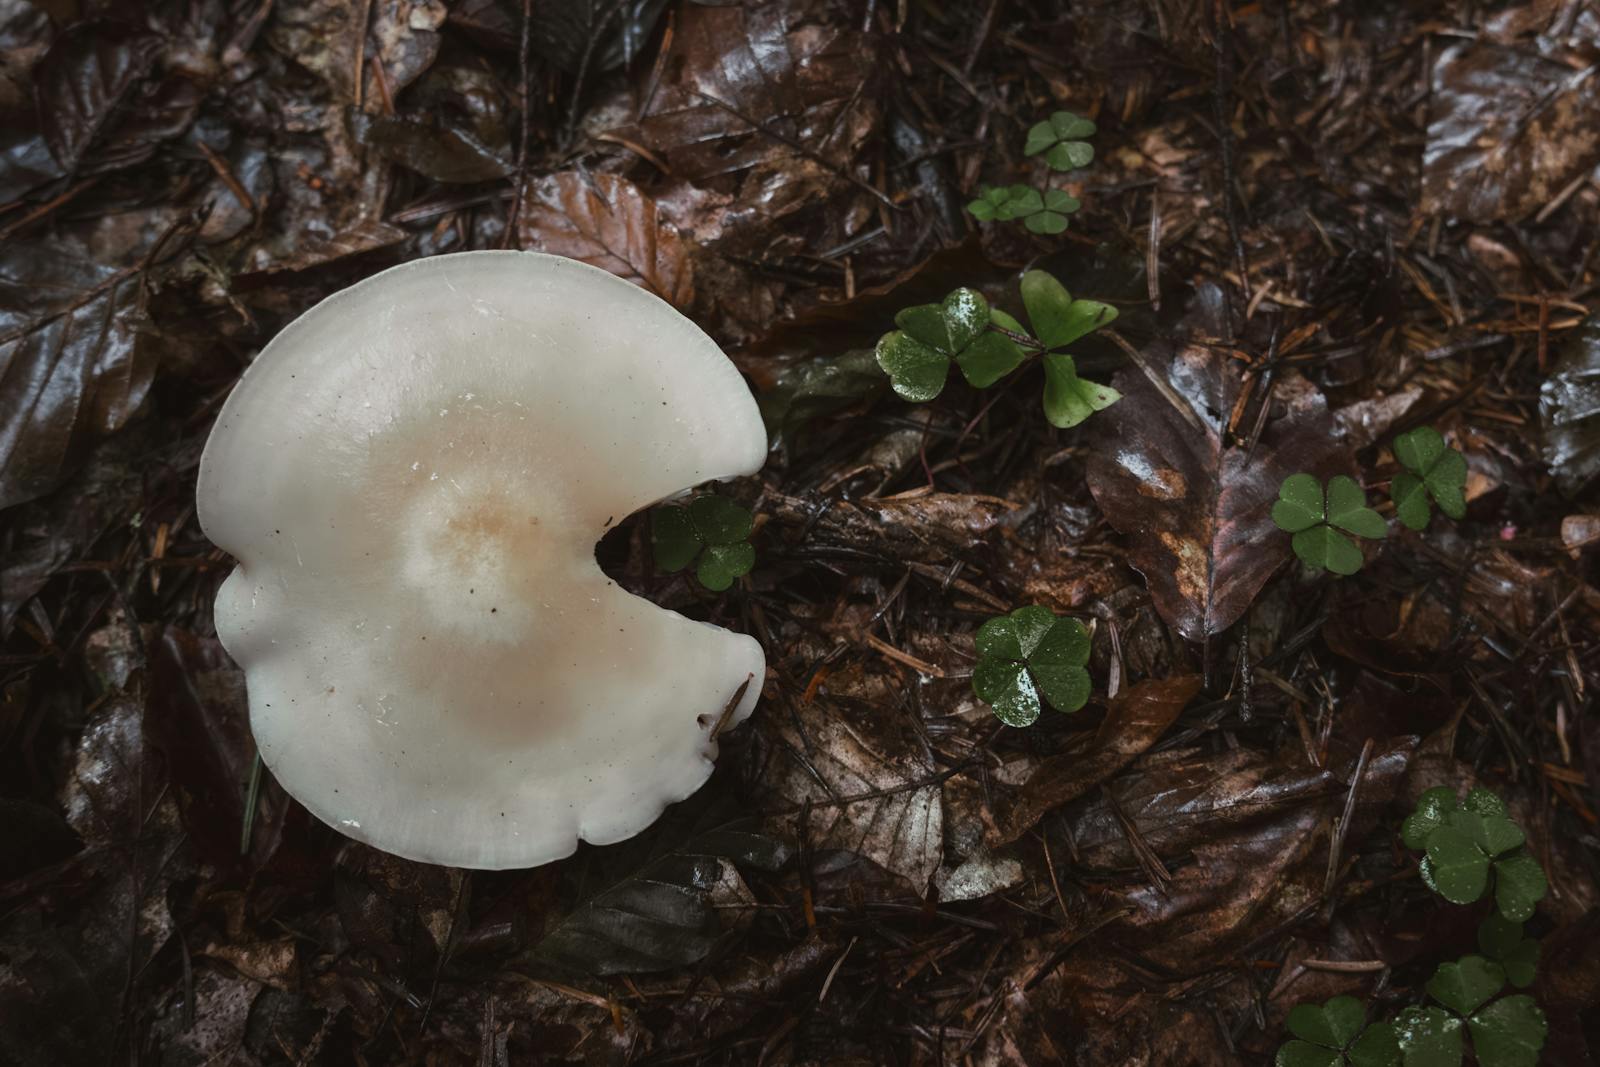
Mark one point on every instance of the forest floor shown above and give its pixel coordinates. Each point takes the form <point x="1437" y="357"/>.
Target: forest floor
<point x="1321" y="224"/>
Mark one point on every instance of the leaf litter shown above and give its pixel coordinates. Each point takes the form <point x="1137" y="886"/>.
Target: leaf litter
<point x="1319" y="229"/>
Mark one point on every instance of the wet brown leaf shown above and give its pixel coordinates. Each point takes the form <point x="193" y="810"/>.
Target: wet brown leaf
<point x="201" y="722"/>
<point x="1508" y="128"/>
<point x="1244" y="835"/>
<point x="795" y="67"/>
<point x="608" y="222"/>
<point x="89" y="70"/>
<point x="1196" y="508"/>
<point x="1569" y="409"/>
<point x="69" y="982"/>
<point x="649" y="904"/>
<point x="1134" y="721"/>
<point x="326" y="37"/>
<point x="70" y="370"/>
<point x="872" y="790"/>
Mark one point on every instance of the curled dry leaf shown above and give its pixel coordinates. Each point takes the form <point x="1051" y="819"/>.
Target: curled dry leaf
<point x="608" y="222"/>
<point x="70" y="368"/>
<point x="1508" y="128"/>
<point x="1196" y="507"/>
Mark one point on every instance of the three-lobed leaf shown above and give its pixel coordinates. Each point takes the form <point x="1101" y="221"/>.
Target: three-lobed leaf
<point x="1333" y="1034"/>
<point x="1428" y="1037"/>
<point x="917" y="356"/>
<point x="1058" y="320"/>
<point x="1519" y="885"/>
<point x="1467" y="984"/>
<point x="1509" y="1033"/>
<point x="1060" y="138"/>
<point x="1311" y="512"/>
<point x="1432" y="470"/>
<point x="1501" y="940"/>
<point x="712" y="530"/>
<point x="1028" y="655"/>
<point x="1464" y="841"/>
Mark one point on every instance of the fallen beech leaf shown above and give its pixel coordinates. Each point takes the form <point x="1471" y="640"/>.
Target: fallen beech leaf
<point x="1508" y="128"/>
<point x="606" y="221"/>
<point x="88" y="71"/>
<point x="327" y="36"/>
<point x="1196" y="509"/>
<point x="70" y="370"/>
<point x="1244" y="835"/>
<point x="794" y="67"/>
<point x="1134" y="721"/>
<point x="1569" y="410"/>
<point x="872" y="790"/>
<point x="648" y="904"/>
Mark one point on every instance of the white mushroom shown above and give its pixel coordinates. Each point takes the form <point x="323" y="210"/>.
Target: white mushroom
<point x="413" y="476"/>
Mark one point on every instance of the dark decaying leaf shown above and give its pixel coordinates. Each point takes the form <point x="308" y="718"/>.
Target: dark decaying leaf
<point x="65" y="987"/>
<point x="888" y="810"/>
<point x="645" y="905"/>
<point x="89" y="70"/>
<point x="608" y="222"/>
<point x="1508" y="128"/>
<point x="1569" y="409"/>
<point x="327" y="37"/>
<point x="820" y="387"/>
<point x="599" y="35"/>
<point x="795" y="66"/>
<point x="70" y="368"/>
<point x="200" y="722"/>
<point x="1196" y="508"/>
<point x="1242" y="835"/>
<point x="444" y="153"/>
<point x="1134" y="721"/>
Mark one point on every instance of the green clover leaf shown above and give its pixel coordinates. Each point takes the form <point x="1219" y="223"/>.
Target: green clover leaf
<point x="1467" y="984"/>
<point x="673" y="536"/>
<point x="1501" y="940"/>
<point x="721" y="564"/>
<point x="711" y="529"/>
<point x="1455" y="867"/>
<point x="1310" y="513"/>
<point x="1519" y="885"/>
<point x="1028" y="654"/>
<point x="1429" y="816"/>
<point x="1058" y="320"/>
<point x="1509" y="1033"/>
<point x="1061" y="139"/>
<point x="1041" y="212"/>
<point x="917" y="356"/>
<point x="1432" y="470"/>
<point x="1464" y="841"/>
<point x="1069" y="399"/>
<point x="1428" y="1037"/>
<point x="1333" y="1032"/>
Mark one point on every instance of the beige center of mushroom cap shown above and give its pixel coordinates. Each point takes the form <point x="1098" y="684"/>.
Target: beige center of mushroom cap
<point x="413" y="477"/>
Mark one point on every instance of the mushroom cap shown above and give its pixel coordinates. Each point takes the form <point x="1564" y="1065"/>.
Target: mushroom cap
<point x="413" y="476"/>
